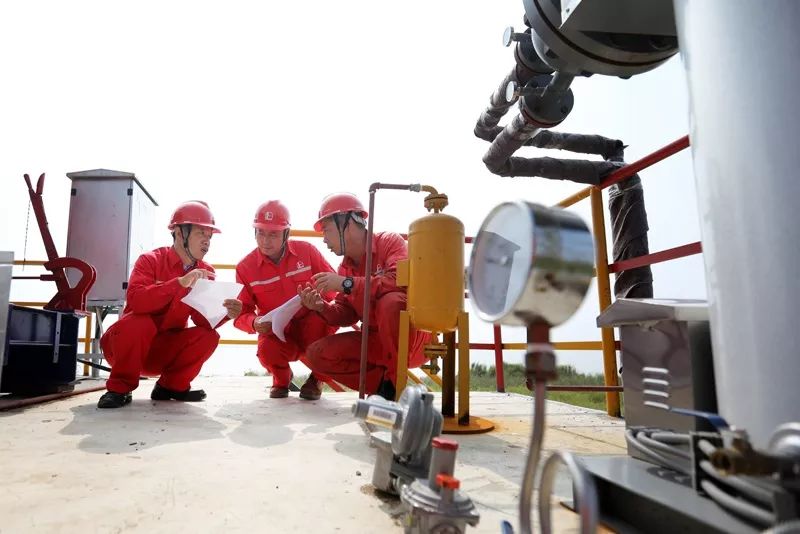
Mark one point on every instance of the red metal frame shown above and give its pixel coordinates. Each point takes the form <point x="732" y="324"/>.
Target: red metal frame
<point x="657" y="257"/>
<point x="649" y="259"/>
<point x="629" y="170"/>
<point x="66" y="298"/>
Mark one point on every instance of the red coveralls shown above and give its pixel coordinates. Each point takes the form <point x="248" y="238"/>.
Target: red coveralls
<point x="267" y="286"/>
<point x="151" y="337"/>
<point x="339" y="356"/>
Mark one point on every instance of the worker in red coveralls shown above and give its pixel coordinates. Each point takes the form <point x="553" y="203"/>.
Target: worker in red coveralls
<point x="271" y="275"/>
<point x="342" y="219"/>
<point x="151" y="337"/>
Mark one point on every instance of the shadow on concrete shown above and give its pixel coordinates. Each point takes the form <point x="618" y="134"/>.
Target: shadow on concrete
<point x="143" y="424"/>
<point x="270" y="422"/>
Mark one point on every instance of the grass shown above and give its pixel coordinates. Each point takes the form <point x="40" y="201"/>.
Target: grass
<point x="483" y="378"/>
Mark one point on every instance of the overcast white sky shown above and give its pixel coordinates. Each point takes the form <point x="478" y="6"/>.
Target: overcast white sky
<point x="241" y="102"/>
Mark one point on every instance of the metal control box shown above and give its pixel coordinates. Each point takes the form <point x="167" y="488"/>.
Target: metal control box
<point x="110" y="225"/>
<point x="666" y="362"/>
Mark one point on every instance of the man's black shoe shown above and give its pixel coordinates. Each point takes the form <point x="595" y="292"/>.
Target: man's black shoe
<point x="386" y="390"/>
<point x="112" y="399"/>
<point x="190" y="395"/>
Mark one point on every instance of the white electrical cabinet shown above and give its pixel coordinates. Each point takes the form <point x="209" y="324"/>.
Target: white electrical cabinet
<point x="110" y="224"/>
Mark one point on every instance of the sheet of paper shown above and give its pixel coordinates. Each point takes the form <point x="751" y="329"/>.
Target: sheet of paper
<point x="207" y="296"/>
<point x="281" y="316"/>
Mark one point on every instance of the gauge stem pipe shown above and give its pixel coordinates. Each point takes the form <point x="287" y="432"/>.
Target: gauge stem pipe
<point x="362" y="376"/>
<point x="583" y="488"/>
<point x="540" y="366"/>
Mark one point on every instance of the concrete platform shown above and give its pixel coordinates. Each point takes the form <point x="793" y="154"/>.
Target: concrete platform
<point x="241" y="462"/>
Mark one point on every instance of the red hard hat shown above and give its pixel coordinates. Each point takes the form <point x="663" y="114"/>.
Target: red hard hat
<point x="339" y="203"/>
<point x="272" y="215"/>
<point x="193" y="212"/>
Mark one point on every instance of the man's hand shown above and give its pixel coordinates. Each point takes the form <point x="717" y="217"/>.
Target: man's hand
<point x="233" y="306"/>
<point x="324" y="282"/>
<point x="188" y="279"/>
<point x="310" y="298"/>
<point x="262" y="328"/>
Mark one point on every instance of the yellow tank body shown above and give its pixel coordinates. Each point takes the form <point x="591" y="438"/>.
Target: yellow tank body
<point x="436" y="272"/>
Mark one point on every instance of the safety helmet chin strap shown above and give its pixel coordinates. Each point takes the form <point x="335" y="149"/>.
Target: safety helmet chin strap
<point x="186" y="229"/>
<point x="342" y="220"/>
<point x="285" y="242"/>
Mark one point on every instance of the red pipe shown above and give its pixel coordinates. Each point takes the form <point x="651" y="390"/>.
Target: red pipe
<point x="629" y="170"/>
<point x="657" y="257"/>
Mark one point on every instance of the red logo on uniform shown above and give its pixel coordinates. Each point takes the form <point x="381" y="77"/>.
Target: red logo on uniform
<point x="300" y="265"/>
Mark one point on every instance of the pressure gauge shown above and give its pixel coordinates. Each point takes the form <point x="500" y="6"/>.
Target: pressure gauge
<point x="530" y="264"/>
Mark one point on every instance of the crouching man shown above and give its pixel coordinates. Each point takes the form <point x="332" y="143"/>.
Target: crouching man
<point x="342" y="220"/>
<point x="271" y="275"/>
<point x="152" y="337"/>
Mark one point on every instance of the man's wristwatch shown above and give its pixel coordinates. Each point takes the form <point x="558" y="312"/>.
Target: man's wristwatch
<point x="347" y="285"/>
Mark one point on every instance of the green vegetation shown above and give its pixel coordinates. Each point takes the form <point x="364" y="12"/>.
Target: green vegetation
<point x="483" y="378"/>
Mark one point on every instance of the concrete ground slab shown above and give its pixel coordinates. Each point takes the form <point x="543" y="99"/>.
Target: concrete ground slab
<point x="241" y="462"/>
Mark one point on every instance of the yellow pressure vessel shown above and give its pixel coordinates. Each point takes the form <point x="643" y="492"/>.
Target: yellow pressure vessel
<point x="436" y="272"/>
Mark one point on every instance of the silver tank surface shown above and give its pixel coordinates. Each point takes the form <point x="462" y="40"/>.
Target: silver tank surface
<point x="741" y="65"/>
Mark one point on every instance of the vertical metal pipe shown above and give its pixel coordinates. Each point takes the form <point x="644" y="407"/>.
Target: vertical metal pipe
<point x="744" y="131"/>
<point x="402" y="354"/>
<point x="97" y="349"/>
<point x="449" y="376"/>
<point x="559" y="83"/>
<point x="87" y="342"/>
<point x="498" y="359"/>
<point x="604" y="296"/>
<point x="362" y="375"/>
<point x="463" y="368"/>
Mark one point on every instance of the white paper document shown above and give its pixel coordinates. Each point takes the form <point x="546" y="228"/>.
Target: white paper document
<point x="281" y="316"/>
<point x="207" y="296"/>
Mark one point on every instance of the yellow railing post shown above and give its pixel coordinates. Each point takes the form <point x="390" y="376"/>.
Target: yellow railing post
<point x="604" y="296"/>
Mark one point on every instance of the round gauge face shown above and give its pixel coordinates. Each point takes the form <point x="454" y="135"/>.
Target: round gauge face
<point x="501" y="260"/>
<point x="508" y="36"/>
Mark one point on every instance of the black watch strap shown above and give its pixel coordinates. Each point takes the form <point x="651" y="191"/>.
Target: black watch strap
<point x="347" y="285"/>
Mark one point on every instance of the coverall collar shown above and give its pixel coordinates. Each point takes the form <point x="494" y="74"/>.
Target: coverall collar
<point x="176" y="260"/>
